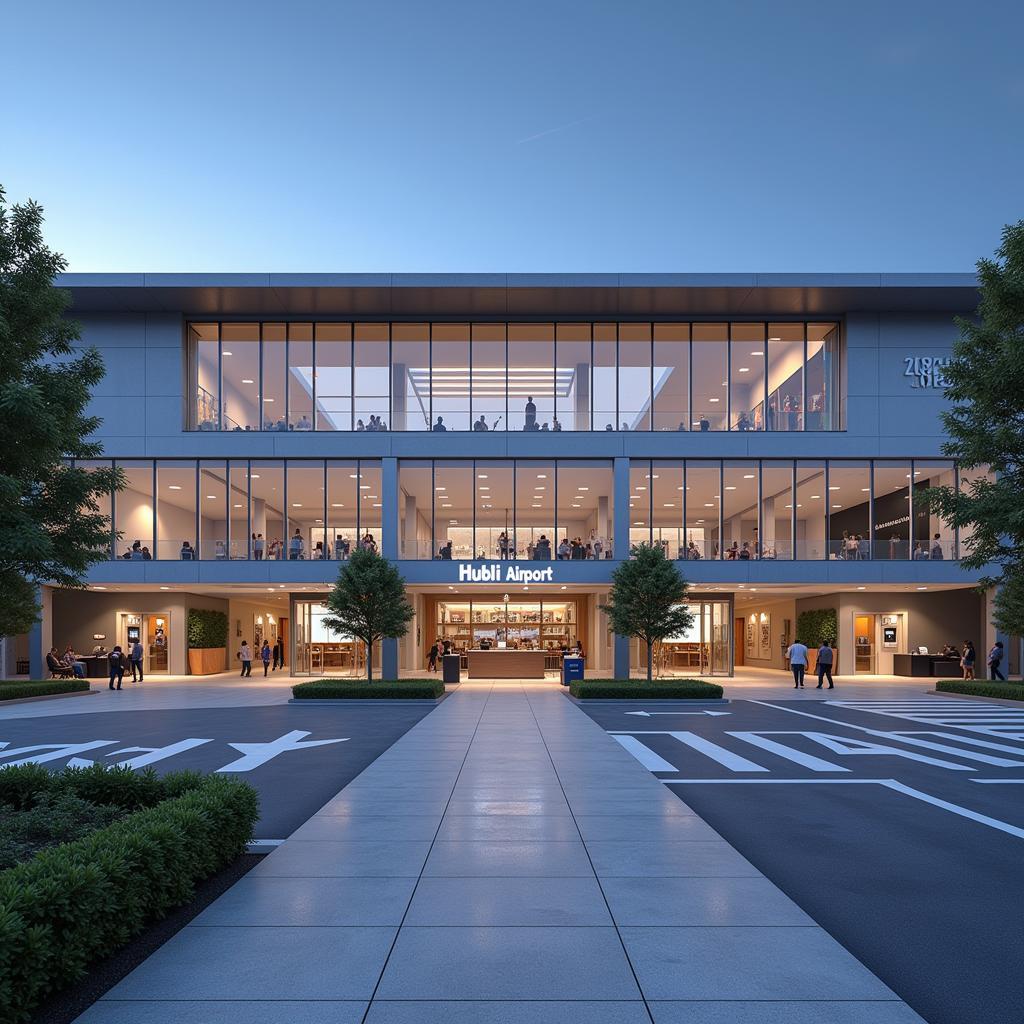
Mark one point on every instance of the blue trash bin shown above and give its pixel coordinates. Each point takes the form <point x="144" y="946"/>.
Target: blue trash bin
<point x="572" y="668"/>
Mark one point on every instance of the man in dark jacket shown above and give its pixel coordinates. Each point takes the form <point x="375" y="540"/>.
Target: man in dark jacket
<point x="825" y="666"/>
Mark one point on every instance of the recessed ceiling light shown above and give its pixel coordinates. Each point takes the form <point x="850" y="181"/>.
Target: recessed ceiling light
<point x="245" y="380"/>
<point x="254" y="476"/>
<point x="834" y="487"/>
<point x="815" y="495"/>
<point x="267" y="399"/>
<point x="296" y="504"/>
<point x="922" y="588"/>
<point x="481" y="476"/>
<point x="713" y="399"/>
<point x="730" y="488"/>
<point x="744" y="369"/>
<point x="709" y="504"/>
<point x="99" y="588"/>
<point x="748" y="476"/>
<point x="542" y="476"/>
<point x="165" y="588"/>
<point x="583" y="488"/>
<point x="173" y="487"/>
<point x="759" y="353"/>
<point x="337" y="504"/>
<point x="667" y="504"/>
<point x="862" y="588"/>
<point x="834" y="506"/>
<point x="225" y="352"/>
<point x="211" y="497"/>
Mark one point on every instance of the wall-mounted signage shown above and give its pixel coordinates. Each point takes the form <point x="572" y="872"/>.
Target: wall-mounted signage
<point x="470" y="573"/>
<point x="925" y="371"/>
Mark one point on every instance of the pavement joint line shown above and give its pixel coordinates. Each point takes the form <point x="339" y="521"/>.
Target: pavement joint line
<point x="586" y="850"/>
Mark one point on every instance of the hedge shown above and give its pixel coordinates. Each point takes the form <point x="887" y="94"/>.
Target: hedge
<point x="981" y="688"/>
<point x="345" y="689"/>
<point x="74" y="902"/>
<point x="817" y="626"/>
<point x="640" y="689"/>
<point x="13" y="689"/>
<point x="206" y="628"/>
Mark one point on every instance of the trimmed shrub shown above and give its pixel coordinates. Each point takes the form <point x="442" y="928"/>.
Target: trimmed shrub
<point x="981" y="688"/>
<point x="14" y="689"/>
<point x="205" y="628"/>
<point x="640" y="689"/>
<point x="345" y="689"/>
<point x="94" y="894"/>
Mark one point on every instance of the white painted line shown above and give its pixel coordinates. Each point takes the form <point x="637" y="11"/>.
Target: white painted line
<point x="815" y="764"/>
<point x="648" y="714"/>
<point x="999" y="782"/>
<point x="772" y="782"/>
<point x="724" y="757"/>
<point x="964" y="812"/>
<point x="647" y="757"/>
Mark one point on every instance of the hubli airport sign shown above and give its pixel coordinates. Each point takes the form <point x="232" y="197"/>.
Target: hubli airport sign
<point x="470" y="573"/>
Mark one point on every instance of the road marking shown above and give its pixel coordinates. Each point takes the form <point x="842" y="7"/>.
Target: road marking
<point x="1000" y="782"/>
<point x="256" y="754"/>
<point x="988" y="719"/>
<point x="896" y="787"/>
<point x="815" y="764"/>
<point x="724" y="757"/>
<point x="57" y="751"/>
<point x="648" y="714"/>
<point x="150" y="755"/>
<point x="647" y="757"/>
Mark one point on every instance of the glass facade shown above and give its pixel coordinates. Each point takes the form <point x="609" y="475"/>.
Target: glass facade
<point x="633" y="376"/>
<point x="530" y="509"/>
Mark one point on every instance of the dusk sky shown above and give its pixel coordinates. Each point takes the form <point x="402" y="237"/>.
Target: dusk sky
<point x="534" y="136"/>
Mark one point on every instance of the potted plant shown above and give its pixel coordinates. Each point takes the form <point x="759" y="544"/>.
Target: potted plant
<point x="815" y="627"/>
<point x="207" y="632"/>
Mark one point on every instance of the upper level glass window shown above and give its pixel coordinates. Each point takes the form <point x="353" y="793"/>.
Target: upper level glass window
<point x="457" y="376"/>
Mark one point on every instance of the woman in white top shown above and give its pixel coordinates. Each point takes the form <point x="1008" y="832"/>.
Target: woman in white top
<point x="245" y="657"/>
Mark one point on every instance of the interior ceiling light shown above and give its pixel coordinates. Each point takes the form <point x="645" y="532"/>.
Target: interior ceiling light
<point x="712" y="400"/>
<point x="225" y="352"/>
<point x="245" y="380"/>
<point x="744" y="369"/>
<point x="173" y="487"/>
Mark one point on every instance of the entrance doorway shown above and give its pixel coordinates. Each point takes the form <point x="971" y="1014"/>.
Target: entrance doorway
<point x="864" y="644"/>
<point x="705" y="649"/>
<point x="153" y="632"/>
<point x="321" y="652"/>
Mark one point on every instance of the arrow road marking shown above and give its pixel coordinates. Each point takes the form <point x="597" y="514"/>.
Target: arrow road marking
<point x="648" y="714"/>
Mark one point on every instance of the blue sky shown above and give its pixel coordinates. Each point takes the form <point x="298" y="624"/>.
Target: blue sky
<point x="527" y="136"/>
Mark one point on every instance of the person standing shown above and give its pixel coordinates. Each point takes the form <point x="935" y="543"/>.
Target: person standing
<point x="432" y="657"/>
<point x="116" y="662"/>
<point x="136" y="657"/>
<point x="265" y="657"/>
<point x="797" y="655"/>
<point x="825" y="665"/>
<point x="967" y="658"/>
<point x="245" y="656"/>
<point x="995" y="659"/>
<point x="530" y="414"/>
<point x="296" y="547"/>
<point x="257" y="546"/>
<point x="278" y="659"/>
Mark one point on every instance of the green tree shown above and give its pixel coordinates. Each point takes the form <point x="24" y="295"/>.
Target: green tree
<point x="985" y="384"/>
<point x="50" y="517"/>
<point x="647" y="599"/>
<point x="368" y="602"/>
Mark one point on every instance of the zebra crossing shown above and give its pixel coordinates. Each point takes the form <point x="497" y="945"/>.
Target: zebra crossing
<point x="995" y="720"/>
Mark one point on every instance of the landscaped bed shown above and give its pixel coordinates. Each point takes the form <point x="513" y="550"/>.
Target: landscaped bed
<point x="98" y="855"/>
<point x="19" y="689"/>
<point x="981" y="688"/>
<point x="641" y="689"/>
<point x="353" y="689"/>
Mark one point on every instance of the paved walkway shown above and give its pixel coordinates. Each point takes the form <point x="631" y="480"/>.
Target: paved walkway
<point x="504" y="862"/>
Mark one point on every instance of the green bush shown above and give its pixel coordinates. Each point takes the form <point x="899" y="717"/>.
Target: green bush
<point x="52" y="819"/>
<point x="68" y="904"/>
<point x="14" y="689"/>
<point x="346" y="689"/>
<point x="817" y="626"/>
<point x="206" y="628"/>
<point x="640" y="689"/>
<point x="981" y="688"/>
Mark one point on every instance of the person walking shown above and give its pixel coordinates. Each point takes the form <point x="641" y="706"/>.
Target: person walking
<point x="825" y="665"/>
<point x="296" y="547"/>
<point x="797" y="655"/>
<point x="967" y="658"/>
<point x="995" y="659"/>
<point x="265" y="657"/>
<point x="432" y="657"/>
<point x="276" y="656"/>
<point x="257" y="546"/>
<point x="136" y="658"/>
<point x="116" y="662"/>
<point x="245" y="656"/>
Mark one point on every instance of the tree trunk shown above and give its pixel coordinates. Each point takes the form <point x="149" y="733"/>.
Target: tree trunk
<point x="650" y="662"/>
<point x="369" y="662"/>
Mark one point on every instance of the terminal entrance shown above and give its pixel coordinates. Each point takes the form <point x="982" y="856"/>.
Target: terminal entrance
<point x="705" y="649"/>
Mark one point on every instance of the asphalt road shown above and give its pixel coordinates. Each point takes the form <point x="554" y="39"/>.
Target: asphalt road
<point x="914" y="866"/>
<point x="283" y="750"/>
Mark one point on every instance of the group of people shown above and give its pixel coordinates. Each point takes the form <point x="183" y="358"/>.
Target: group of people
<point x="968" y="658"/>
<point x="797" y="657"/>
<point x="374" y="423"/>
<point x="276" y="550"/>
<point x="271" y="657"/>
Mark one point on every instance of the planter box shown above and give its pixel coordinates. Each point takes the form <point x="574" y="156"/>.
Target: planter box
<point x="204" y="661"/>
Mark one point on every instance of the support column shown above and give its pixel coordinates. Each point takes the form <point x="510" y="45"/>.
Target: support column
<point x="620" y="514"/>
<point x="389" y="509"/>
<point x="40" y="636"/>
<point x="389" y="658"/>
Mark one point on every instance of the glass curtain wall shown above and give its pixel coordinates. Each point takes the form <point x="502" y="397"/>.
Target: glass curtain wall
<point x="516" y="376"/>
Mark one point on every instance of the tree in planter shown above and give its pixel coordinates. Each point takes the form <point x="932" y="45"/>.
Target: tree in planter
<point x="985" y="424"/>
<point x="647" y="599"/>
<point x="368" y="602"/>
<point x="207" y="633"/>
<point x="50" y="518"/>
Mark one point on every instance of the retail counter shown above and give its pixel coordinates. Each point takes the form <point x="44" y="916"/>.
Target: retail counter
<point x="928" y="665"/>
<point x="505" y="664"/>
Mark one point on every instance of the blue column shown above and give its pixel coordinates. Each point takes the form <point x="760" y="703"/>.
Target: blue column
<point x="389" y="508"/>
<point x="36" y="654"/>
<point x="389" y="549"/>
<point x="620" y="514"/>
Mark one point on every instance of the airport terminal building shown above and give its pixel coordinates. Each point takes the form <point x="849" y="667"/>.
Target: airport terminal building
<point x="505" y="440"/>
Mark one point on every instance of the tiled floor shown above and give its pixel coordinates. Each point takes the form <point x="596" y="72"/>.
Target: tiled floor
<point x="504" y="862"/>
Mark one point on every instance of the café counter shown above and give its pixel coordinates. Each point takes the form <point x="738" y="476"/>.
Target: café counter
<point x="927" y="665"/>
<point x="505" y="664"/>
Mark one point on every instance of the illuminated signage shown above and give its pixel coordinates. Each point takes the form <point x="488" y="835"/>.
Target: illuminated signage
<point x="470" y="573"/>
